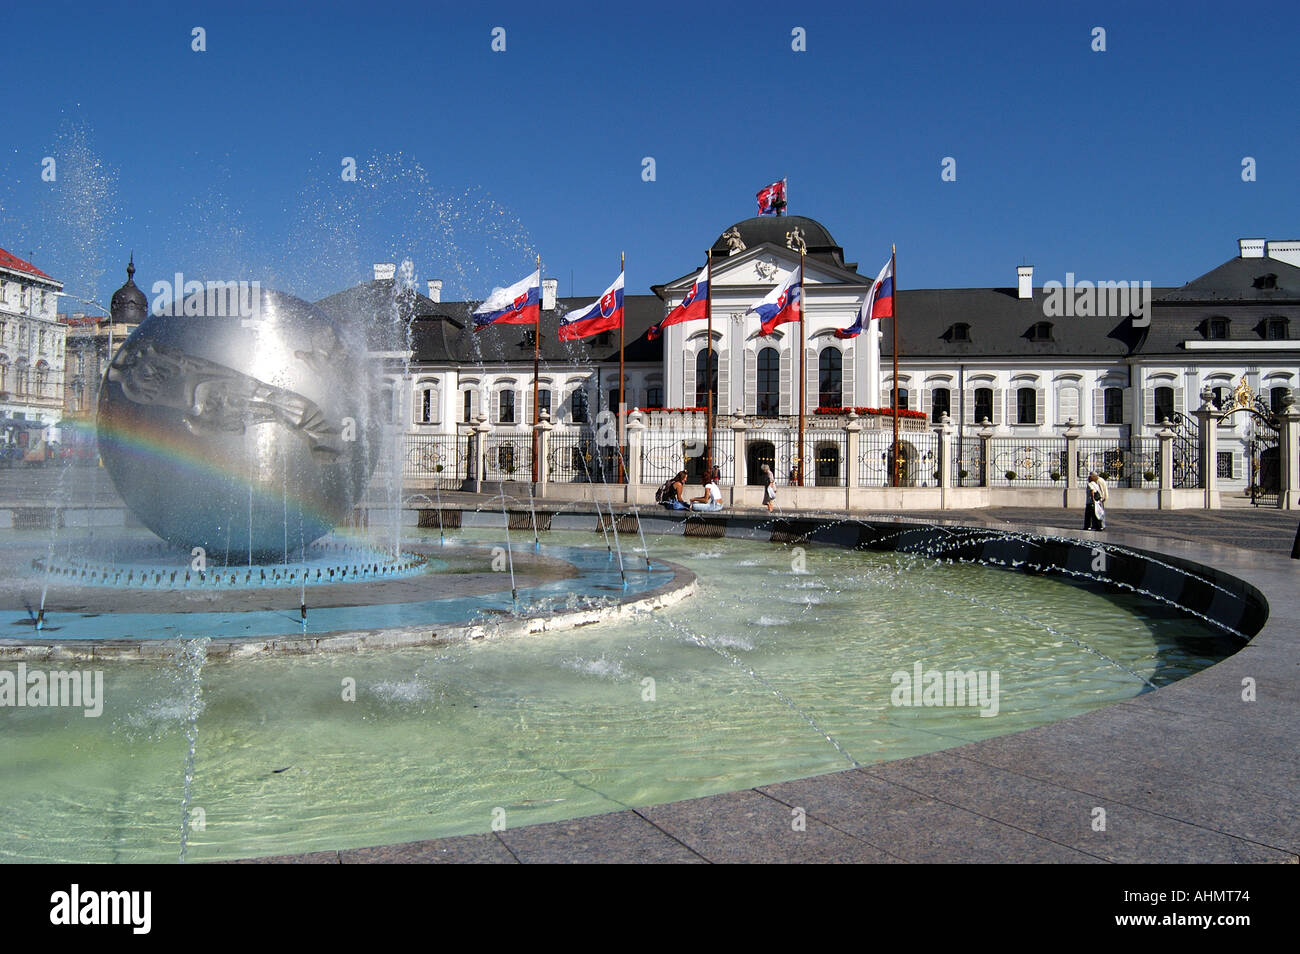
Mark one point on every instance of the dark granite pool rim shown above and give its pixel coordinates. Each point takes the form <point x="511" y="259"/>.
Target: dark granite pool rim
<point x="1204" y="770"/>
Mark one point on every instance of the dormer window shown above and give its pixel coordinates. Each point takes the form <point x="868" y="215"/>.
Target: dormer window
<point x="959" y="332"/>
<point x="1040" y="331"/>
<point x="1216" y="329"/>
<point x="603" y="340"/>
<point x="1266" y="281"/>
<point x="529" y="340"/>
<point x="1275" y="329"/>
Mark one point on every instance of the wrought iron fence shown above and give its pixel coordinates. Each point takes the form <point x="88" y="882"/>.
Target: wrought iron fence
<point x="441" y="459"/>
<point x="1034" y="462"/>
<point x="508" y="456"/>
<point x="917" y="454"/>
<point x="967" y="461"/>
<point x="1128" y="462"/>
<point x="664" y="454"/>
<point x="1186" y="450"/>
<point x="578" y="457"/>
<point x="775" y="447"/>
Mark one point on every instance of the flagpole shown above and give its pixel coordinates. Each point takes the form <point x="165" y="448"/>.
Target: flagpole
<point x="622" y="400"/>
<point x="803" y="362"/>
<point x="537" y="360"/>
<point x="708" y="373"/>
<point x="893" y="274"/>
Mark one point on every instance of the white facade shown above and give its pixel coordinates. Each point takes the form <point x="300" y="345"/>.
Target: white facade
<point x="31" y="347"/>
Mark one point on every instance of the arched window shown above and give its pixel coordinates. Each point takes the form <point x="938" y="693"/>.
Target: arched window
<point x="506" y="406"/>
<point x="426" y="405"/>
<point x="769" y="383"/>
<point x="1113" y="406"/>
<point x="941" y="403"/>
<point x="829" y="368"/>
<point x="706" y="379"/>
<point x="1026" y="406"/>
<point x="1164" y="403"/>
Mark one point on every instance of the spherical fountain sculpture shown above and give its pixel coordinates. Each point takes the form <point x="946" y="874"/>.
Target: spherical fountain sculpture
<point x="244" y="430"/>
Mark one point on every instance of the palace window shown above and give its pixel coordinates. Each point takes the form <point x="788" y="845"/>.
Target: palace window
<point x="983" y="405"/>
<point x="1164" y="404"/>
<point x="468" y="407"/>
<point x="1113" y="406"/>
<point x="706" y="378"/>
<point x="654" y="397"/>
<point x="941" y="403"/>
<point x="506" y="406"/>
<point x="578" y="405"/>
<point x="898" y="398"/>
<point x="1026" y="406"/>
<point x="830" y="388"/>
<point x="1275" y="396"/>
<point x="543" y="401"/>
<point x="769" y="378"/>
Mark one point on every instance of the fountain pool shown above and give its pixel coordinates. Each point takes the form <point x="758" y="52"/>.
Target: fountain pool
<point x="783" y="665"/>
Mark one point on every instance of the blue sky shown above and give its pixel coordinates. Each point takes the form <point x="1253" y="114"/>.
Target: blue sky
<point x="226" y="164"/>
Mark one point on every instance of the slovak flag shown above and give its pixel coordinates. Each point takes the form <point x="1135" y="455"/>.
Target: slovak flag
<point x="606" y="314"/>
<point x="691" y="308"/>
<point x="771" y="199"/>
<point x="783" y="303"/>
<point x="520" y="304"/>
<point x="879" y="303"/>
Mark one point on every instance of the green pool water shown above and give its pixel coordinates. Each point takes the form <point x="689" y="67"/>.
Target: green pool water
<point x="781" y="666"/>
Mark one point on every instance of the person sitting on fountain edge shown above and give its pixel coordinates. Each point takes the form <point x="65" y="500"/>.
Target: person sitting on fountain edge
<point x="672" y="498"/>
<point x="711" y="499"/>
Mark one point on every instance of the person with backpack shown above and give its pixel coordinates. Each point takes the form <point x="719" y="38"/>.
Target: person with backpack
<point x="670" y="495"/>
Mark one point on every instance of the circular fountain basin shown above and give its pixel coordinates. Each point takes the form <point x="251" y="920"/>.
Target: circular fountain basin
<point x="785" y="664"/>
<point x="354" y="598"/>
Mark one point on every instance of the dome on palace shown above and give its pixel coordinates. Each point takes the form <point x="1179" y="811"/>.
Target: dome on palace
<point x="772" y="228"/>
<point x="129" y="305"/>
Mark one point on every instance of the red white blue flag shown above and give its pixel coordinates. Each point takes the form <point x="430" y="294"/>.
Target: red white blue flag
<point x="605" y="314"/>
<point x="879" y="303"/>
<point x="783" y="303"/>
<point x="520" y="304"/>
<point x="693" y="306"/>
<point x="771" y="199"/>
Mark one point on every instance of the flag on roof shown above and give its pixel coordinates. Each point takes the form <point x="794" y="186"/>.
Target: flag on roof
<point x="771" y="199"/>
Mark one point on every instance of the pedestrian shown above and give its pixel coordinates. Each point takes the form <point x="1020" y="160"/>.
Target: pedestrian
<point x="769" y="487"/>
<point x="711" y="499"/>
<point x="1094" y="512"/>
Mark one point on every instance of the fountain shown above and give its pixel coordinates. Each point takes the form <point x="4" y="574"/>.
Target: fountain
<point x="531" y="684"/>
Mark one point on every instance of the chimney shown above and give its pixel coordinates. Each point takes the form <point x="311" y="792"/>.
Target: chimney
<point x="1025" y="281"/>
<point x="384" y="271"/>
<point x="435" y="289"/>
<point x="1285" y="251"/>
<point x="549" y="287"/>
<point x="1251" y="248"/>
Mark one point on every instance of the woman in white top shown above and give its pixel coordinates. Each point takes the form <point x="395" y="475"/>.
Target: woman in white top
<point x="711" y="499"/>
